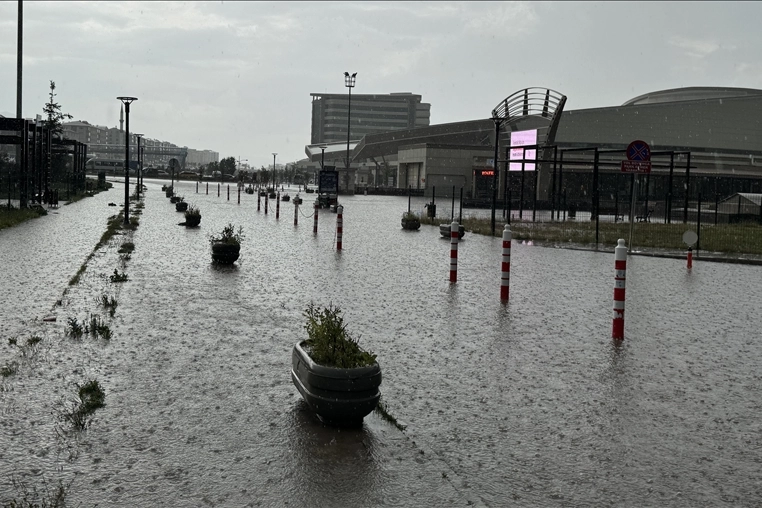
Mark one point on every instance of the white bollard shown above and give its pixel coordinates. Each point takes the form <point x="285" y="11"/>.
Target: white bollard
<point x="620" y="276"/>
<point x="339" y="226"/>
<point x="454" y="237"/>
<point x="506" y="266"/>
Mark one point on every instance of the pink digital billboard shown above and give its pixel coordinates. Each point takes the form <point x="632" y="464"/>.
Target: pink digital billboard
<point x="519" y="139"/>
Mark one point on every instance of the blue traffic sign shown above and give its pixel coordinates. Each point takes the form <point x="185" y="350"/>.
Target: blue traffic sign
<point x="638" y="151"/>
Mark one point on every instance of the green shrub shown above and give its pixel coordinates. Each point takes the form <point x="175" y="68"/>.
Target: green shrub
<point x="118" y="277"/>
<point x="228" y="235"/>
<point x="330" y="343"/>
<point x="74" y="329"/>
<point x="90" y="397"/>
<point x="126" y="248"/>
<point x="108" y="302"/>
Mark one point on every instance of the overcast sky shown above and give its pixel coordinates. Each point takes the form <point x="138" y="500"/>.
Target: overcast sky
<point x="236" y="77"/>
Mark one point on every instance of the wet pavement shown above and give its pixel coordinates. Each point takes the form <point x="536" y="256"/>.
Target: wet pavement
<point x="521" y="404"/>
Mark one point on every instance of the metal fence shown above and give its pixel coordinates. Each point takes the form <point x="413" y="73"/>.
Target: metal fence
<point x="651" y="212"/>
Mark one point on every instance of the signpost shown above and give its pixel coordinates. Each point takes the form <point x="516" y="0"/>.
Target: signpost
<point x="638" y="162"/>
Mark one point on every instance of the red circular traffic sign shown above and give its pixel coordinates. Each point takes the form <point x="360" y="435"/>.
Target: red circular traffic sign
<point x="638" y="151"/>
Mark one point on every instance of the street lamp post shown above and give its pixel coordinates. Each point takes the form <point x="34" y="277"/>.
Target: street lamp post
<point x="322" y="160"/>
<point x="349" y="82"/>
<point x="140" y="166"/>
<point x="127" y="101"/>
<point x="274" y="183"/>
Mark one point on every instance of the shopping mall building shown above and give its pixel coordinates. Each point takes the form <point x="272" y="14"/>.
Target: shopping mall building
<point x="710" y="137"/>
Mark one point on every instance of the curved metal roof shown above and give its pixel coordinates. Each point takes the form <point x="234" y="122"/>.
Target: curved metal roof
<point x="692" y="93"/>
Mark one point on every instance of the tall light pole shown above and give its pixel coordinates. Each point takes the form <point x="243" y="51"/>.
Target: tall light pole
<point x="349" y="82"/>
<point x="274" y="183"/>
<point x="127" y="101"/>
<point x="140" y="165"/>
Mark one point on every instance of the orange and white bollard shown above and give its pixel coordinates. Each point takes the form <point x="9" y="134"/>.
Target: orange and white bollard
<point x="277" y="206"/>
<point x="339" y="226"/>
<point x="454" y="237"/>
<point x="505" y="281"/>
<point x="317" y="207"/>
<point x="690" y="258"/>
<point x="620" y="275"/>
<point x="296" y="213"/>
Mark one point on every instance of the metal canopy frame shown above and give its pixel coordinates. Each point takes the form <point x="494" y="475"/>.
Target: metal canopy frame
<point x="528" y="102"/>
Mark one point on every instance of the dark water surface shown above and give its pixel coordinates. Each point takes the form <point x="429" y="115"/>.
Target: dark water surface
<point x="524" y="404"/>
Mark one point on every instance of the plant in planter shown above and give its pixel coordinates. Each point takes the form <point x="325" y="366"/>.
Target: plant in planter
<point x="180" y="204"/>
<point x="169" y="191"/>
<point x="226" y="246"/>
<point x="410" y="221"/>
<point x="192" y="216"/>
<point x="337" y="378"/>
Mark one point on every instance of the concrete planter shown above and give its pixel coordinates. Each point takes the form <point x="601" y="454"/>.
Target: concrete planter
<point x="181" y="206"/>
<point x="444" y="230"/>
<point x="191" y="221"/>
<point x="225" y="253"/>
<point x="338" y="396"/>
<point x="411" y="223"/>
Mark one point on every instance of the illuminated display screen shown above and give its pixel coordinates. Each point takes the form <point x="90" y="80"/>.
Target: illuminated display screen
<point x="523" y="138"/>
<point x="488" y="172"/>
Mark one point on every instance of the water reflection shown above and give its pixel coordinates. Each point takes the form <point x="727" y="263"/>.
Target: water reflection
<point x="332" y="463"/>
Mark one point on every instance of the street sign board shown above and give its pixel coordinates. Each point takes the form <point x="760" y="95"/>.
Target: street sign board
<point x="638" y="151"/>
<point x="690" y="238"/>
<point x="636" y="167"/>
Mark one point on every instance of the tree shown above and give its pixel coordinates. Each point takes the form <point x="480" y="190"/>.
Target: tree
<point x="55" y="117"/>
<point x="54" y="122"/>
<point x="228" y="165"/>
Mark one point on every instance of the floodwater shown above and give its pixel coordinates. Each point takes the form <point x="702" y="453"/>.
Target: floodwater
<point x="528" y="403"/>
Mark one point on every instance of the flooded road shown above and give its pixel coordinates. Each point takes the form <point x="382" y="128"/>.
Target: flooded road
<point x="521" y="404"/>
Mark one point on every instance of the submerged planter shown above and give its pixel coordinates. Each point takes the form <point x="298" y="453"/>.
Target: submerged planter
<point x="445" y="231"/>
<point x="338" y="396"/>
<point x="192" y="221"/>
<point x="411" y="223"/>
<point x="225" y="253"/>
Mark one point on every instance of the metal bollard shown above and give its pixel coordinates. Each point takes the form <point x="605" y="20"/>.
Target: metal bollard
<point x="259" y="200"/>
<point x="296" y="213"/>
<point x="207" y="188"/>
<point x="218" y="190"/>
<point x="277" y="206"/>
<point x="239" y="195"/>
<point x="620" y="276"/>
<point x="228" y="192"/>
<point x="454" y="237"/>
<point x="265" y="204"/>
<point x="690" y="258"/>
<point x="505" y="281"/>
